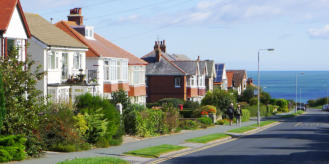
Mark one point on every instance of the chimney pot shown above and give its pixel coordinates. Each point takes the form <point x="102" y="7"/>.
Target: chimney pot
<point x="163" y="46"/>
<point x="75" y="16"/>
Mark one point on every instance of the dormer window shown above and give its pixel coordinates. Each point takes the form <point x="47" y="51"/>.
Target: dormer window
<point x="89" y="32"/>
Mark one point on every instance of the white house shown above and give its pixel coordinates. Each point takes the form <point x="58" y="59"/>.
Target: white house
<point x="62" y="57"/>
<point x="111" y="66"/>
<point x="14" y="30"/>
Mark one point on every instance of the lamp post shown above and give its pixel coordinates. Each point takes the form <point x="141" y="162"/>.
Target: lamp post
<point x="297" y="89"/>
<point x="300" y="98"/>
<point x="258" y="88"/>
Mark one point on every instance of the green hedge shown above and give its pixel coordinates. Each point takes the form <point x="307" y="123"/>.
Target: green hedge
<point x="205" y="121"/>
<point x="186" y="113"/>
<point x="245" y="115"/>
<point x="188" y="124"/>
<point x="12" y="148"/>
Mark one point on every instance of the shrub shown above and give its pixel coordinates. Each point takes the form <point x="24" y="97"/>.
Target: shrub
<point x="59" y="131"/>
<point x="174" y="101"/>
<point x="317" y="102"/>
<point x="219" y="98"/>
<point x="243" y="104"/>
<point x="205" y="121"/>
<point x="283" y="105"/>
<point x="191" y="105"/>
<point x="188" y="124"/>
<point x="265" y="98"/>
<point x="247" y="94"/>
<point x="186" y="113"/>
<point x="245" y="115"/>
<point x="12" y="148"/>
<point x="263" y="110"/>
<point x="129" y="118"/>
<point x="253" y="101"/>
<point x="121" y="97"/>
<point x="220" y="122"/>
<point x="170" y="118"/>
<point x="2" y="104"/>
<point x="99" y="111"/>
<point x="149" y="122"/>
<point x="209" y="109"/>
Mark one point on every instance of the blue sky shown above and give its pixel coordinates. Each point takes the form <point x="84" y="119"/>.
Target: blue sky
<point x="227" y="31"/>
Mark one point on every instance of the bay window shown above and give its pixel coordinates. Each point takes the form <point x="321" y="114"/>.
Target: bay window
<point x="115" y="70"/>
<point x="77" y="59"/>
<point x="52" y="60"/>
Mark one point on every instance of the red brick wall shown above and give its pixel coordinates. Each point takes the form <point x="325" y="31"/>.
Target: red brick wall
<point x="109" y="88"/>
<point x="192" y="92"/>
<point x="160" y="87"/>
<point x="202" y="92"/>
<point x="137" y="91"/>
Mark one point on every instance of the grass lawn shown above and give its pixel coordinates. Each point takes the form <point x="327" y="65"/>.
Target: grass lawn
<point x="207" y="138"/>
<point x="251" y="127"/>
<point x="95" y="160"/>
<point x="299" y="112"/>
<point x="316" y="107"/>
<point x="155" y="151"/>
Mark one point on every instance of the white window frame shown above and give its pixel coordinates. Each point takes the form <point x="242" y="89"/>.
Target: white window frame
<point x="79" y="64"/>
<point x="53" y="61"/>
<point x="178" y="82"/>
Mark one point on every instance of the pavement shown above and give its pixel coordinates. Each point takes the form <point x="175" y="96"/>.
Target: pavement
<point x="304" y="139"/>
<point x="117" y="151"/>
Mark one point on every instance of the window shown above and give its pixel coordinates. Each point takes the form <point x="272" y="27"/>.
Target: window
<point x="177" y="82"/>
<point x="106" y="70"/>
<point x="52" y="60"/>
<point x="113" y="70"/>
<point x="76" y="61"/>
<point x="89" y="32"/>
<point x="138" y="75"/>
<point x="119" y="70"/>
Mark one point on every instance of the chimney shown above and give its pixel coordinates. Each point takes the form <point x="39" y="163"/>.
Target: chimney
<point x="75" y="16"/>
<point x="163" y="46"/>
<point x="157" y="50"/>
<point x="198" y="58"/>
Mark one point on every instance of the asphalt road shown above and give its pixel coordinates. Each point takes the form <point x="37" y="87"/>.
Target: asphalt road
<point x="304" y="139"/>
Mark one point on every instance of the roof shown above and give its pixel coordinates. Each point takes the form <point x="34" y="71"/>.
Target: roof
<point x="164" y="67"/>
<point x="190" y="67"/>
<point x="219" y="73"/>
<point x="49" y="34"/>
<point x="210" y="67"/>
<point x="238" y="76"/>
<point x="180" y="57"/>
<point x="100" y="47"/>
<point x="7" y="9"/>
<point x="150" y="57"/>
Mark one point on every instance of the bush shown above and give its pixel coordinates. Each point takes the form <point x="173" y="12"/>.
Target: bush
<point x="175" y="102"/>
<point x="219" y="98"/>
<point x="220" y="122"/>
<point x="120" y="97"/>
<point x="59" y="131"/>
<point x="263" y="111"/>
<point x="265" y="98"/>
<point x="102" y="117"/>
<point x="188" y="124"/>
<point x="205" y="121"/>
<point x="245" y="115"/>
<point x="283" y="105"/>
<point x="317" y="102"/>
<point x="149" y="122"/>
<point x="12" y="148"/>
<point x="191" y="105"/>
<point x="186" y="113"/>
<point x="209" y="109"/>
<point x="248" y="94"/>
<point x="243" y="104"/>
<point x="129" y="118"/>
<point x="253" y="101"/>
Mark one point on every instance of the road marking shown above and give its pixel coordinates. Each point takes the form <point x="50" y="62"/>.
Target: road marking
<point x="299" y="123"/>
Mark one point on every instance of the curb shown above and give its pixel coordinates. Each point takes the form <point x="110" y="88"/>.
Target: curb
<point x="213" y="143"/>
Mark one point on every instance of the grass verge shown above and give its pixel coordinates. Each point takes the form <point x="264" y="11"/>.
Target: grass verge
<point x="208" y="138"/>
<point x="251" y="127"/>
<point x="155" y="151"/>
<point x="95" y="160"/>
<point x="299" y="112"/>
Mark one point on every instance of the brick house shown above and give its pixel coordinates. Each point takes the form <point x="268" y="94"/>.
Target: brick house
<point x="221" y="79"/>
<point x="167" y="77"/>
<point x="111" y="66"/>
<point x="14" y="30"/>
<point x="237" y="80"/>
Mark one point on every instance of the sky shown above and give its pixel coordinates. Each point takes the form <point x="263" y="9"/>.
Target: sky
<point x="227" y="31"/>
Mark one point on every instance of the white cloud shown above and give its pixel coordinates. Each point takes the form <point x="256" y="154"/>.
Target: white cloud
<point x="322" y="33"/>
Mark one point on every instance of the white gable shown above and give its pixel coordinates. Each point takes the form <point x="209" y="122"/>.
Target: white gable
<point x="16" y="27"/>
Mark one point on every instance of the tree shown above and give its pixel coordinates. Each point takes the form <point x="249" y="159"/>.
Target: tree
<point x="121" y="97"/>
<point x="2" y="104"/>
<point x="23" y="101"/>
<point x="248" y="94"/>
<point x="265" y="98"/>
<point x="219" y="98"/>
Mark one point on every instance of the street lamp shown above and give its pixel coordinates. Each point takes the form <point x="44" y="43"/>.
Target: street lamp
<point x="258" y="88"/>
<point x="297" y="89"/>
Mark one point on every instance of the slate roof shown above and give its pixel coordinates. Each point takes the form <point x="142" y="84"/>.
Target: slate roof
<point x="188" y="67"/>
<point x="180" y="57"/>
<point x="49" y="34"/>
<point x="164" y="67"/>
<point x="6" y="11"/>
<point x="219" y="73"/>
<point x="238" y="76"/>
<point x="150" y="57"/>
<point x="99" y="47"/>
<point x="210" y="66"/>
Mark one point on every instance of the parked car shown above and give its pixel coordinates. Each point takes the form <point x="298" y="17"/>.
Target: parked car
<point x="325" y="107"/>
<point x="301" y="106"/>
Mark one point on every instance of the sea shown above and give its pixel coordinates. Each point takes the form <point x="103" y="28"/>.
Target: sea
<point x="282" y="84"/>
